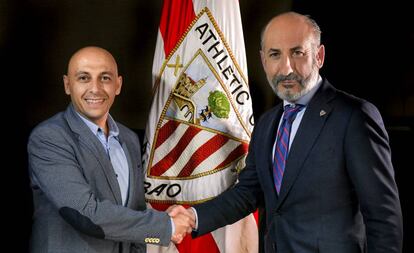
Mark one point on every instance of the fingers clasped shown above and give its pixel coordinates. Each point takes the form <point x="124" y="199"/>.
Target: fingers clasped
<point x="184" y="222"/>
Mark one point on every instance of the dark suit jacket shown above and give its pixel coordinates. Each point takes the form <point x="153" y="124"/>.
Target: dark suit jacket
<point x="77" y="200"/>
<point x="338" y="193"/>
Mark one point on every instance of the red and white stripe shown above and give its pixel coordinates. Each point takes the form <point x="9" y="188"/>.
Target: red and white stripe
<point x="199" y="159"/>
<point x="182" y="150"/>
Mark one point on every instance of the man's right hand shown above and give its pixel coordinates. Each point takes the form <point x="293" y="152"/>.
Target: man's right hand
<point x="184" y="222"/>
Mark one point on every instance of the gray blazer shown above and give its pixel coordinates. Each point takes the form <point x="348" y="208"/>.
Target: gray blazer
<point x="77" y="200"/>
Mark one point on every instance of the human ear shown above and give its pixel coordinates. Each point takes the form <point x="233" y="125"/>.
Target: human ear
<point x="66" y="84"/>
<point x="320" y="56"/>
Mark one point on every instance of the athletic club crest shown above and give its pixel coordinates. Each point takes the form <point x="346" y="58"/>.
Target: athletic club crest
<point x="204" y="122"/>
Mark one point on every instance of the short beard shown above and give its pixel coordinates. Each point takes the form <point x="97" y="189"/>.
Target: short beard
<point x="306" y="85"/>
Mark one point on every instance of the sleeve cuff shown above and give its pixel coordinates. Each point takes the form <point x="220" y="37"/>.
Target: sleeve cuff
<point x="196" y="218"/>
<point x="172" y="226"/>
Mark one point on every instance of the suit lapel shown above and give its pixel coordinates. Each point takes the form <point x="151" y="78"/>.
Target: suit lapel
<point x="309" y="129"/>
<point x="89" y="140"/>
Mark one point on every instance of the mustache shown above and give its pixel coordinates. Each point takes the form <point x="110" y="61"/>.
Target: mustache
<point x="292" y="76"/>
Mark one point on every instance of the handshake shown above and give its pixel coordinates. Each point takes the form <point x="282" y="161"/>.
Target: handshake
<point x="184" y="222"/>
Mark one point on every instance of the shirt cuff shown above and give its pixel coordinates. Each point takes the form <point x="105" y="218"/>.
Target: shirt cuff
<point x="172" y="226"/>
<point x="196" y="218"/>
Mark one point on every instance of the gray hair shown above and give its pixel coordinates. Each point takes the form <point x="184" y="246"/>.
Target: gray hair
<point x="310" y="21"/>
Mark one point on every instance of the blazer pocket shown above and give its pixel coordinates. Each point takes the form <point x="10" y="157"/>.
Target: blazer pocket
<point x="340" y="246"/>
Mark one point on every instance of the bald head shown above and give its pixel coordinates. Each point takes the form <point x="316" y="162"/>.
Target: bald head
<point x="92" y="81"/>
<point x="291" y="55"/>
<point x="291" y="22"/>
<point x="91" y="53"/>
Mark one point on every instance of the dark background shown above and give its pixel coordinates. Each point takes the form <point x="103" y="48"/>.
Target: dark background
<point x="369" y="53"/>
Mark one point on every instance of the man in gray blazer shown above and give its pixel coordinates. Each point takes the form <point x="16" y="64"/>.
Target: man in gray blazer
<point x="86" y="174"/>
<point x="324" y="177"/>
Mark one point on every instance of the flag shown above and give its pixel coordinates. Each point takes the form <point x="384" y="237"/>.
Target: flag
<point x="201" y="117"/>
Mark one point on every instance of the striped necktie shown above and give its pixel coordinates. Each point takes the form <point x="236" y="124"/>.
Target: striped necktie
<point x="282" y="143"/>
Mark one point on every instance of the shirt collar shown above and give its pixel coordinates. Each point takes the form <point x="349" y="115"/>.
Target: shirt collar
<point x="113" y="128"/>
<point x="304" y="100"/>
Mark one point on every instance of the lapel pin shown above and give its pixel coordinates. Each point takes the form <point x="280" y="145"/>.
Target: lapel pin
<point x="322" y="113"/>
